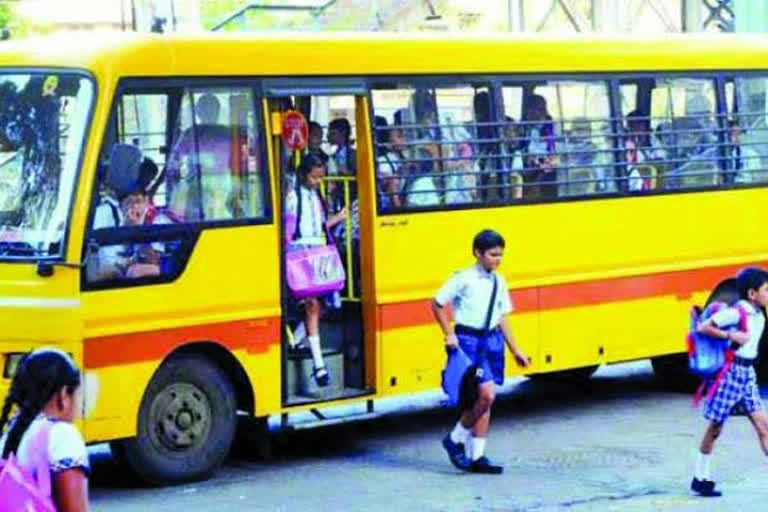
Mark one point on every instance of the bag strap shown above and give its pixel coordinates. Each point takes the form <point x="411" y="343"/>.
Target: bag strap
<point x="488" y="314"/>
<point x="40" y="450"/>
<point x="742" y="317"/>
<point x="297" y="231"/>
<point x="114" y="212"/>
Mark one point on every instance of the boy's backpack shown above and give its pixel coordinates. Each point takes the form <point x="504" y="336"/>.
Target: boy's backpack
<point x="710" y="358"/>
<point x="23" y="491"/>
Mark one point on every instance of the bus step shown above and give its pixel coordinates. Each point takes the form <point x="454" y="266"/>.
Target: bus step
<point x="325" y="422"/>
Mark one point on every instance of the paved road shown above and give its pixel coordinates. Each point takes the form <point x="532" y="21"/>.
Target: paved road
<point x="621" y="441"/>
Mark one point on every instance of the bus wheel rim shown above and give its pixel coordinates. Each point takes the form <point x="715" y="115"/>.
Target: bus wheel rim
<point x="180" y="417"/>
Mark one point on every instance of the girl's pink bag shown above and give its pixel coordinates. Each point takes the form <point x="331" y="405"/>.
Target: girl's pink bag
<point x="21" y="491"/>
<point x="314" y="271"/>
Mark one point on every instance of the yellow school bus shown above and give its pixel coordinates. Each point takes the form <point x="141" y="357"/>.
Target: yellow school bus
<point x="627" y="176"/>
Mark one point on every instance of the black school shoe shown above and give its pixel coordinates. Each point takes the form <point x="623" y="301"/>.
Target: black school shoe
<point x="705" y="488"/>
<point x="483" y="465"/>
<point x="456" y="453"/>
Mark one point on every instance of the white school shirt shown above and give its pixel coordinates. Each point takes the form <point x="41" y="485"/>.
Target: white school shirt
<point x="755" y="324"/>
<point x="312" y="221"/>
<point x="469" y="293"/>
<point x="66" y="448"/>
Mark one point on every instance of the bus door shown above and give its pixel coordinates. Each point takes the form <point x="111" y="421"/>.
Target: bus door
<point x="328" y="124"/>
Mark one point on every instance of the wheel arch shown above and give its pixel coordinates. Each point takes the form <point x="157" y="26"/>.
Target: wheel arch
<point x="226" y="360"/>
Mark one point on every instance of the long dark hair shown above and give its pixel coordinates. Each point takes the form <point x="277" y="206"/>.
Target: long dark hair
<point x="40" y="376"/>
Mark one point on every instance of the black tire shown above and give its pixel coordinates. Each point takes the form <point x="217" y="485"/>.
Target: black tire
<point x="186" y="425"/>
<point x="673" y="369"/>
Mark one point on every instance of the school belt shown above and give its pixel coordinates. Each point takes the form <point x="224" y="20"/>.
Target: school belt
<point x="471" y="331"/>
<point x="743" y="361"/>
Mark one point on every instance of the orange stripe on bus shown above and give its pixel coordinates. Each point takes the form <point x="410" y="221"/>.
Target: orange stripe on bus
<point x="253" y="335"/>
<point x="559" y="296"/>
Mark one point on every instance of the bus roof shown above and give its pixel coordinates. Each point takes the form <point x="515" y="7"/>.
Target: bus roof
<point x="279" y="54"/>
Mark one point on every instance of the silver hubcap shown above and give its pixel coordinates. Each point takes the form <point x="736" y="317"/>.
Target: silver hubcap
<point x="180" y="417"/>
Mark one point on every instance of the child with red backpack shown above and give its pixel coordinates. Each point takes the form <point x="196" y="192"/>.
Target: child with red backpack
<point x="736" y="389"/>
<point x="43" y="463"/>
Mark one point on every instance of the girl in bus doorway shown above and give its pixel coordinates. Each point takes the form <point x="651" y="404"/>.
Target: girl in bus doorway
<point x="480" y="302"/>
<point x="306" y="225"/>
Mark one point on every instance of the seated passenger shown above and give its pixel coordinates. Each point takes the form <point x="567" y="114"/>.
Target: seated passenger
<point x="129" y="183"/>
<point x="539" y="144"/>
<point x="494" y="179"/>
<point x="743" y="162"/>
<point x="389" y="160"/>
<point x="460" y="175"/>
<point x="639" y="129"/>
<point x="143" y="259"/>
<point x="636" y="182"/>
<point x="200" y="167"/>
<point x="696" y="157"/>
<point x="418" y="164"/>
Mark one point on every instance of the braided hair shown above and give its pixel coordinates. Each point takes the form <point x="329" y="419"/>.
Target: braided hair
<point x="40" y="376"/>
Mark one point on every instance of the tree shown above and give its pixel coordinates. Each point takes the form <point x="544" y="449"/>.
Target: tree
<point x="6" y="14"/>
<point x="10" y="22"/>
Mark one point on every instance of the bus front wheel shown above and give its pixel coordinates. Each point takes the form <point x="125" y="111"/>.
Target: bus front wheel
<point x="186" y="423"/>
<point x="673" y="369"/>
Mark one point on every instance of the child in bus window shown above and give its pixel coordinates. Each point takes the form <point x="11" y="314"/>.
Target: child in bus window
<point x="46" y="395"/>
<point x="539" y="144"/>
<point x="460" y="175"/>
<point x="389" y="160"/>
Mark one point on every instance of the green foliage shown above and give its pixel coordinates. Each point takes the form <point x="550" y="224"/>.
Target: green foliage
<point x="6" y="15"/>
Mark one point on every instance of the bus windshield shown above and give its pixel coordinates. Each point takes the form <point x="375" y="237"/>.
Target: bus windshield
<point x="43" y="120"/>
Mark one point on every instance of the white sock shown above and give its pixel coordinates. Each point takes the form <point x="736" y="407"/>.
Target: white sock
<point x="317" y="352"/>
<point x="459" y="434"/>
<point x="702" y="466"/>
<point x="478" y="447"/>
<point x="300" y="333"/>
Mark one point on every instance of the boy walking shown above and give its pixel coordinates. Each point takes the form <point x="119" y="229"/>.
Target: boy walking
<point x="480" y="302"/>
<point x="739" y="386"/>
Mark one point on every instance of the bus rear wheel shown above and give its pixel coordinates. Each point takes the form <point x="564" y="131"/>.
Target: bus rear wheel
<point x="186" y="423"/>
<point x="673" y="369"/>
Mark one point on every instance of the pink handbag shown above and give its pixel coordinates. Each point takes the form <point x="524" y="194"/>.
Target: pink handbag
<point x="311" y="271"/>
<point x="22" y="491"/>
<point x="314" y="271"/>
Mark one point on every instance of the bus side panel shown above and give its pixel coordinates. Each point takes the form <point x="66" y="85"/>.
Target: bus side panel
<point x="615" y="277"/>
<point x="228" y="295"/>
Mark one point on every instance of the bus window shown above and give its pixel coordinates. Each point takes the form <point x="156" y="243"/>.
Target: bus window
<point x="746" y="156"/>
<point x="563" y="137"/>
<point x="213" y="172"/>
<point x="682" y="115"/>
<point x="431" y="145"/>
<point x="180" y="156"/>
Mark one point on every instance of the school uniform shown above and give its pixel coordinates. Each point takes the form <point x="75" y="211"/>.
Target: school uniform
<point x="738" y="390"/>
<point x="476" y="324"/>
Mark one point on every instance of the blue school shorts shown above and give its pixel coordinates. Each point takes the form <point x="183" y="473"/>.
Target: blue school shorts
<point x="487" y="352"/>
